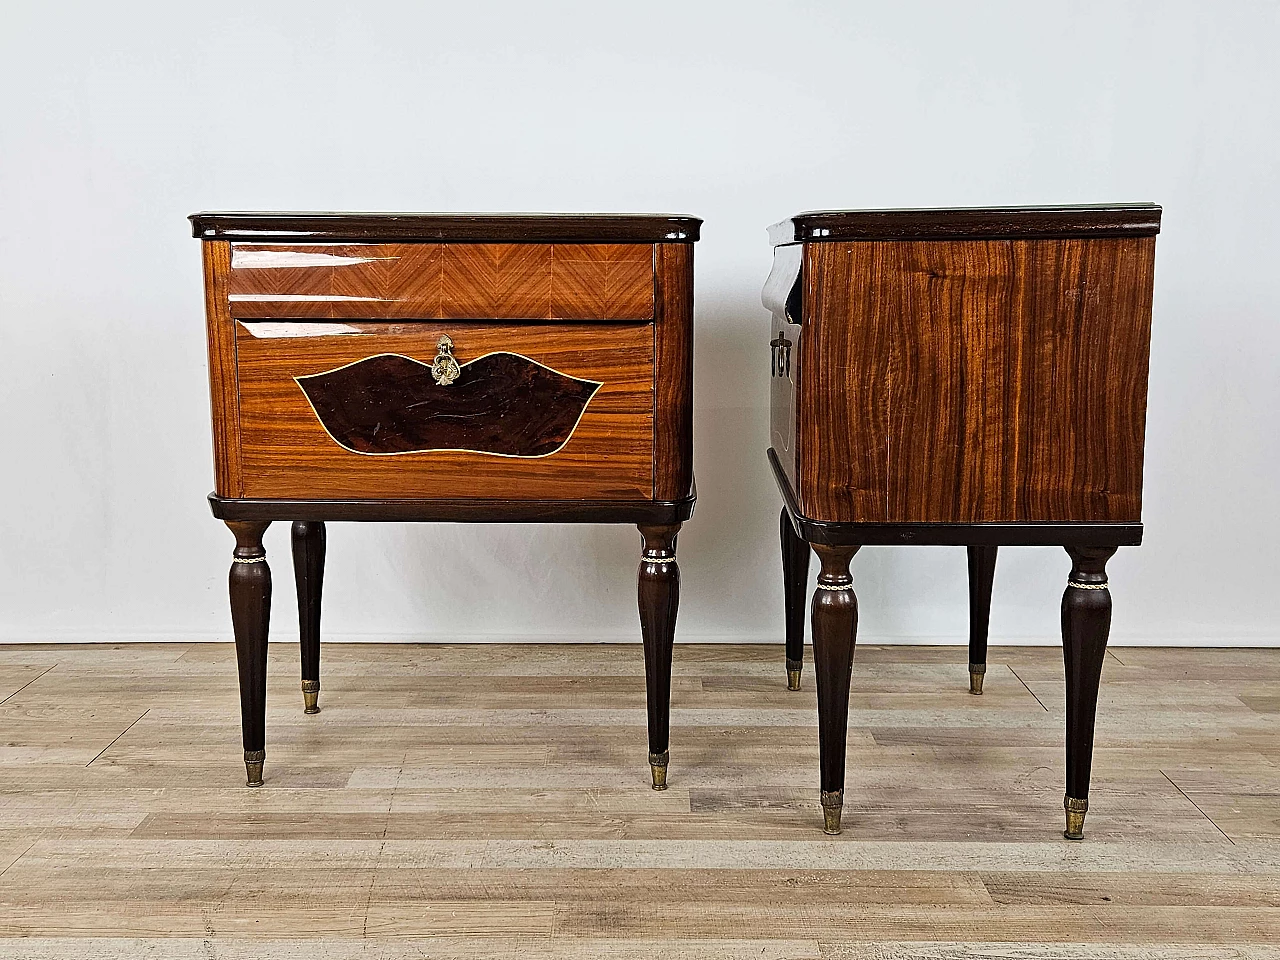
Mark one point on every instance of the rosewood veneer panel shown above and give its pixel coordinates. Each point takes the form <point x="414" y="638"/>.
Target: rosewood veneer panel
<point x="220" y="335"/>
<point x="673" y="374"/>
<point x="287" y="453"/>
<point x="501" y="281"/>
<point x="982" y="380"/>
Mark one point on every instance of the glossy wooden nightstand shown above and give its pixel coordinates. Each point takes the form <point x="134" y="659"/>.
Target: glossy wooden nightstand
<point x="974" y="377"/>
<point x="436" y="367"/>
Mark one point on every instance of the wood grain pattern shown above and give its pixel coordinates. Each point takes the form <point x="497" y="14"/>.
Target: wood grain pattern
<point x="444" y="822"/>
<point x="221" y="341"/>
<point x="673" y="373"/>
<point x="842" y="429"/>
<point x="288" y="454"/>
<point x="975" y="381"/>
<point x="429" y="281"/>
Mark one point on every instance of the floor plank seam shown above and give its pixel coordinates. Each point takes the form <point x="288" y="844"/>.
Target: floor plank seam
<point x="27" y="684"/>
<point x="118" y="736"/>
<point x="386" y="826"/>
<point x="1197" y="806"/>
<point x="1029" y="690"/>
<point x="22" y="854"/>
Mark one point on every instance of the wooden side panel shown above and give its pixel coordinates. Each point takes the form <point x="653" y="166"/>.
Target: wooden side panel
<point x="843" y="416"/>
<point x="428" y="281"/>
<point x="221" y="338"/>
<point x="1087" y="310"/>
<point x="955" y="369"/>
<point x="673" y="373"/>
<point x="1013" y="376"/>
<point x="288" y="453"/>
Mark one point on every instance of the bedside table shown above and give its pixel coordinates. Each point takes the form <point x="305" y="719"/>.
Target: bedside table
<point x="446" y="367"/>
<point x="974" y="377"/>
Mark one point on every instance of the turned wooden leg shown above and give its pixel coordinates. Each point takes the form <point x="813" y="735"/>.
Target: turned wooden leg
<point x="835" y="628"/>
<point x="659" y="598"/>
<point x="982" y="571"/>
<point x="1086" y="621"/>
<point x="308" y="574"/>
<point x="795" y="581"/>
<point x="250" y="586"/>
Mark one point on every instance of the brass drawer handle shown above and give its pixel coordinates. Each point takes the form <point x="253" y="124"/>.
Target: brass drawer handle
<point x="445" y="369"/>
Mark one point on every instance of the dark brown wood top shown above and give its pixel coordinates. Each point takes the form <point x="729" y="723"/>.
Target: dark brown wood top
<point x="971" y="223"/>
<point x="268" y="227"/>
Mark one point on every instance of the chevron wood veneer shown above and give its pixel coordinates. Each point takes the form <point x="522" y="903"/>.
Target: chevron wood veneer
<point x="431" y="281"/>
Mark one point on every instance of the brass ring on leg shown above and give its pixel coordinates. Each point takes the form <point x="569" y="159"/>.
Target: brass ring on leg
<point x="253" y="760"/>
<point x="658" y="765"/>
<point x="1076" y="809"/>
<point x="832" y="805"/>
<point x="310" y="694"/>
<point x="976" y="672"/>
<point x="794" y="669"/>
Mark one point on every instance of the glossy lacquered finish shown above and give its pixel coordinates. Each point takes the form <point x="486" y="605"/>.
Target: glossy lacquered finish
<point x="974" y="377"/>
<point x="983" y="381"/>
<point x="425" y="367"/>
<point x="442" y="281"/>
<point x="554" y="412"/>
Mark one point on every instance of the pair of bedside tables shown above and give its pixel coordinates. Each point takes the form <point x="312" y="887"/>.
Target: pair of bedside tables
<point x="971" y="377"/>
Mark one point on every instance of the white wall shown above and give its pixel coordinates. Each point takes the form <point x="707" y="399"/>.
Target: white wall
<point x="119" y="119"/>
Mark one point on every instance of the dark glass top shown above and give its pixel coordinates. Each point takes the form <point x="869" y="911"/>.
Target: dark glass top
<point x="971" y="223"/>
<point x="272" y="227"/>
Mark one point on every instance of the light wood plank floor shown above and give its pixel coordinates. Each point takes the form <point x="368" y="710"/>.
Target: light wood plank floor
<point x="492" y="802"/>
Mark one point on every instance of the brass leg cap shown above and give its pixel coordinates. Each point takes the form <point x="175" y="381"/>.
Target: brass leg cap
<point x="658" y="764"/>
<point x="976" y="672"/>
<point x="794" y="668"/>
<point x="1076" y="809"/>
<point x="310" y="694"/>
<point x="832" y="805"/>
<point x="253" y="760"/>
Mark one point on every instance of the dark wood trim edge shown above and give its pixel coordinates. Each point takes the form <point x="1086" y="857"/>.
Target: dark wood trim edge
<point x="285" y="227"/>
<point x="951" y="534"/>
<point x="975" y="223"/>
<point x="463" y="511"/>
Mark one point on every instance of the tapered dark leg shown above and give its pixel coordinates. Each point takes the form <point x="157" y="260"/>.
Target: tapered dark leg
<point x="795" y="581"/>
<point x="659" y="598"/>
<point x="1086" y="621"/>
<point x="982" y="571"/>
<point x="308" y="574"/>
<point x="835" y="628"/>
<point x="250" y="585"/>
